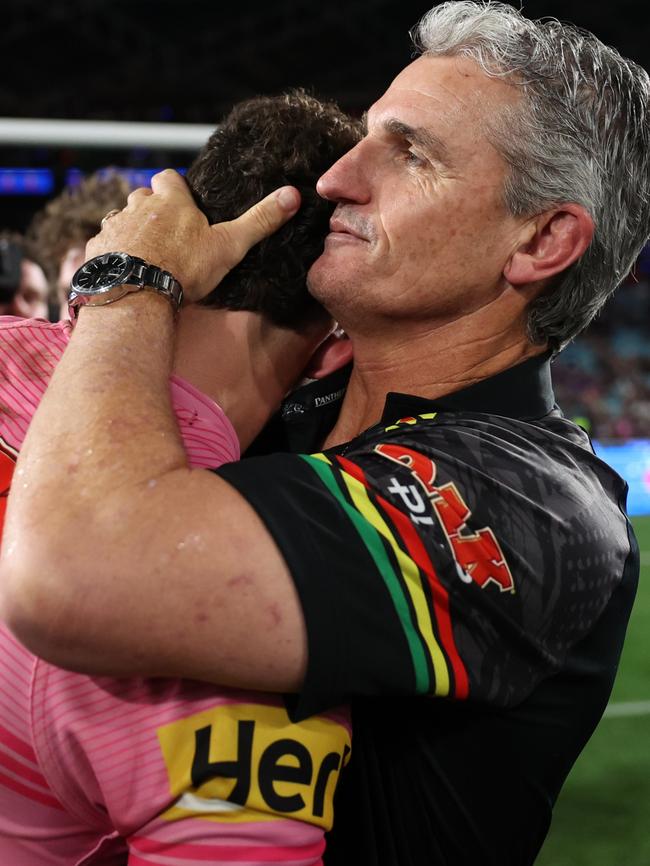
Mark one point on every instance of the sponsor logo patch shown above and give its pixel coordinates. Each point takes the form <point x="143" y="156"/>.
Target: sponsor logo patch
<point x="478" y="555"/>
<point x="249" y="762"/>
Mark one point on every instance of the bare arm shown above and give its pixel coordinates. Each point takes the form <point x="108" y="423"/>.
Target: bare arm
<point x="117" y="557"/>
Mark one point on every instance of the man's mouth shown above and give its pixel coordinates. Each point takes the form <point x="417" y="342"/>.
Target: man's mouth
<point x="340" y="230"/>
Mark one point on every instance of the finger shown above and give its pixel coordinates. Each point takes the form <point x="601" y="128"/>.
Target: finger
<point x="258" y="222"/>
<point x="138" y="194"/>
<point x="170" y="182"/>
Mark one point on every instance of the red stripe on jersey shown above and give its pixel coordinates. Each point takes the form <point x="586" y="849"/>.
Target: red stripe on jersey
<point x="18" y="769"/>
<point x="30" y="793"/>
<point x="189" y="853"/>
<point x="421" y="558"/>
<point x="19" y="747"/>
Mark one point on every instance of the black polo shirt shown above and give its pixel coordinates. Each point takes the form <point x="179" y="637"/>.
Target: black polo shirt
<point x="466" y="572"/>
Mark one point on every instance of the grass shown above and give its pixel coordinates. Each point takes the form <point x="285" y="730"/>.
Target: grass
<point x="603" y="815"/>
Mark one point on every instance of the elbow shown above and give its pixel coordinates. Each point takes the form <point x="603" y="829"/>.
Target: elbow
<point x="33" y="609"/>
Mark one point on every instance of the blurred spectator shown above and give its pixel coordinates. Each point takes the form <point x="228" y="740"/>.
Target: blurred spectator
<point x="602" y="380"/>
<point x="59" y="233"/>
<point x="23" y="286"/>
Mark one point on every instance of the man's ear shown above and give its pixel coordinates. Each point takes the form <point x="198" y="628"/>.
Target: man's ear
<point x="332" y="354"/>
<point x="555" y="240"/>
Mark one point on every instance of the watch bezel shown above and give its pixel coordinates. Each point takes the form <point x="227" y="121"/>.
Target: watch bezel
<point x="105" y="287"/>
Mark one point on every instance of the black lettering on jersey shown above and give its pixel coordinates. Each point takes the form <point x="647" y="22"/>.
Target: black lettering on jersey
<point x="331" y="764"/>
<point x="203" y="769"/>
<point x="272" y="771"/>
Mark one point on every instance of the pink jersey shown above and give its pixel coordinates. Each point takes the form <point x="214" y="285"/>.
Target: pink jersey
<point x="95" y="770"/>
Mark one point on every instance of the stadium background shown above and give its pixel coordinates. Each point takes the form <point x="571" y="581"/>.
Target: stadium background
<point x="169" y="62"/>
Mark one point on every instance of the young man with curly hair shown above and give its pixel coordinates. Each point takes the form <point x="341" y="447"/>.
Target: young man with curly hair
<point x="169" y="770"/>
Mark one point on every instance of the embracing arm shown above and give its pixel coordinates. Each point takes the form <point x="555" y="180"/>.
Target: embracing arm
<point x="117" y="558"/>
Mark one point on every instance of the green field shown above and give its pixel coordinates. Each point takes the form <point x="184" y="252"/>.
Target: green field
<point x="603" y="815"/>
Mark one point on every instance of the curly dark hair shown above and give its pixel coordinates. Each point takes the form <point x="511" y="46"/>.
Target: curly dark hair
<point x="262" y="144"/>
<point x="73" y="217"/>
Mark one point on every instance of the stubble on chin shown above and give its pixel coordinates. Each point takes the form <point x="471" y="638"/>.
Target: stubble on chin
<point x="323" y="285"/>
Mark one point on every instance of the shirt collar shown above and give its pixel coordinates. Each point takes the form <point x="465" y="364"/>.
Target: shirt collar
<point x="308" y="414"/>
<point x="524" y="391"/>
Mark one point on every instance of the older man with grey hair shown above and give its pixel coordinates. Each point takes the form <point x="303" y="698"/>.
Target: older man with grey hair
<point x="453" y="559"/>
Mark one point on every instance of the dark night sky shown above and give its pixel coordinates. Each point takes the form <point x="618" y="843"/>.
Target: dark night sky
<point x="143" y="59"/>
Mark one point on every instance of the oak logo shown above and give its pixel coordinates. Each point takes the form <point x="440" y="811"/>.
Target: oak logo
<point x="249" y="762"/>
<point x="478" y="554"/>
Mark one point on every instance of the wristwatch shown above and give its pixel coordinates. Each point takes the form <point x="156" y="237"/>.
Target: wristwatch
<point x="107" y="278"/>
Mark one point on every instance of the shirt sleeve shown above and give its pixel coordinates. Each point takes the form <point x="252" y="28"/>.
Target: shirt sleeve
<point x="449" y="566"/>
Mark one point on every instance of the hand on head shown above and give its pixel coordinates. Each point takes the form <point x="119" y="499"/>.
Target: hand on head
<point x="163" y="226"/>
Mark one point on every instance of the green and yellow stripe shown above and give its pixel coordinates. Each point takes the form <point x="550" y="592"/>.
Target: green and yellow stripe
<point x="402" y="585"/>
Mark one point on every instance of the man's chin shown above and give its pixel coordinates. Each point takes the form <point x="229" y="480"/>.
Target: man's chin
<point x="316" y="276"/>
<point x="339" y="282"/>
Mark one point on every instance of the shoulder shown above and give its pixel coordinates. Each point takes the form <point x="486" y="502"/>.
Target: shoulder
<point x="33" y="327"/>
<point x="30" y="346"/>
<point x="492" y="453"/>
<point x="29" y="352"/>
<point x="528" y="478"/>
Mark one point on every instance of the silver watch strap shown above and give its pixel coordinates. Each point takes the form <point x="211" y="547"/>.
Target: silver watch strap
<point x="162" y="282"/>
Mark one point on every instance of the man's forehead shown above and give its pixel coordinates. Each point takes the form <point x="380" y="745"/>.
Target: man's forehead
<point x="450" y="104"/>
<point x="447" y="88"/>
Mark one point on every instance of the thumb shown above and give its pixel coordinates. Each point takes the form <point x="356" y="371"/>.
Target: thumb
<point x="258" y="222"/>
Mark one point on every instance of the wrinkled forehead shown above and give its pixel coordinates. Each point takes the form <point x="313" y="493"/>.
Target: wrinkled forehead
<point x="451" y="95"/>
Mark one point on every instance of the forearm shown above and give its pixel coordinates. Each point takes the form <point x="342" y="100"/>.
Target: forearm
<point x="117" y="428"/>
<point x="104" y="434"/>
<point x="113" y="381"/>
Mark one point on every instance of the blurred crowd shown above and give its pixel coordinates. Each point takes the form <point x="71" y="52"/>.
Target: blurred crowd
<point x="602" y="379"/>
<point x="36" y="269"/>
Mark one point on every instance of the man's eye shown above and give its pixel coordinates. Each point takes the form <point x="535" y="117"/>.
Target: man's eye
<point x="413" y="158"/>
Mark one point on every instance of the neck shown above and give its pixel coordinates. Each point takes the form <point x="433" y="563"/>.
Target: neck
<point x="428" y="360"/>
<point x="240" y="360"/>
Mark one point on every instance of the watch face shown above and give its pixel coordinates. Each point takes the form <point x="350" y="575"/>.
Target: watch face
<point x="102" y="272"/>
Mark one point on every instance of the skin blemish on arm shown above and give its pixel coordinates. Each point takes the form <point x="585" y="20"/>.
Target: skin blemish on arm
<point x="240" y="581"/>
<point x="275" y="613"/>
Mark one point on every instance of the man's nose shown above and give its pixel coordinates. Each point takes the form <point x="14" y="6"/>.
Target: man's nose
<point x="346" y="180"/>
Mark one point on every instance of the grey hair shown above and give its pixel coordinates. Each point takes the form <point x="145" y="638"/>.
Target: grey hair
<point x="581" y="133"/>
